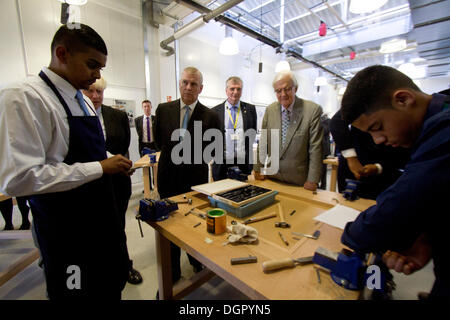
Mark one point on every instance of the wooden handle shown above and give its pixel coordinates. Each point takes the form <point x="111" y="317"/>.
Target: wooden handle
<point x="278" y="264"/>
<point x="280" y="210"/>
<point x="270" y="215"/>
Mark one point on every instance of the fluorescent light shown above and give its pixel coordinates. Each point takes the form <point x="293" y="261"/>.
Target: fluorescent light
<point x="393" y="45"/>
<point x="282" y="65"/>
<point x="228" y="46"/>
<point x="364" y="6"/>
<point x="74" y="2"/>
<point x="320" y="81"/>
<point x="413" y="71"/>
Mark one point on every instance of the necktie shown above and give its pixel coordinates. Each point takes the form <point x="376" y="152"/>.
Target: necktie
<point x="233" y="116"/>
<point x="186" y="117"/>
<point x="284" y="124"/>
<point x="148" y="129"/>
<point x="79" y="97"/>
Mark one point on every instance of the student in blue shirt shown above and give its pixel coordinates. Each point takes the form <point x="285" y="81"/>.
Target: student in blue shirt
<point x="409" y="223"/>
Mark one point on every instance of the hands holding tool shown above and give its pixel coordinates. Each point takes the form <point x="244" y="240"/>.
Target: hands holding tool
<point x="360" y="171"/>
<point x="258" y="176"/>
<point x="411" y="260"/>
<point x="116" y="164"/>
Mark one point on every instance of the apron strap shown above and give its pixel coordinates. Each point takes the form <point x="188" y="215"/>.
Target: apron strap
<point x="52" y="86"/>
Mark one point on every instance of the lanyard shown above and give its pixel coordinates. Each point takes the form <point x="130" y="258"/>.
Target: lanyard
<point x="237" y="116"/>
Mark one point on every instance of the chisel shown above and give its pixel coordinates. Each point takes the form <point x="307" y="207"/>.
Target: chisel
<point x="314" y="236"/>
<point x="255" y="219"/>
<point x="285" y="263"/>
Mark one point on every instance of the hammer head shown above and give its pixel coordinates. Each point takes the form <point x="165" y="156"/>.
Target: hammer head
<point x="282" y="224"/>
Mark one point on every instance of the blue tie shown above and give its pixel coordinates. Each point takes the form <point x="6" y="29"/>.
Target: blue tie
<point x="79" y="97"/>
<point x="233" y="116"/>
<point x="186" y="118"/>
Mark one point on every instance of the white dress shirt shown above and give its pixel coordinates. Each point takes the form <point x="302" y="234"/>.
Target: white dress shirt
<point x="234" y="148"/>
<point x="34" y="138"/>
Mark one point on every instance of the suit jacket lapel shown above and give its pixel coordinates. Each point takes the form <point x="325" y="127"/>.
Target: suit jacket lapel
<point x="106" y="117"/>
<point x="245" y="119"/>
<point x="221" y="112"/>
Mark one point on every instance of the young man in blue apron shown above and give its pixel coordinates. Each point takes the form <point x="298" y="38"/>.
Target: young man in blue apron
<point x="54" y="151"/>
<point x="410" y="221"/>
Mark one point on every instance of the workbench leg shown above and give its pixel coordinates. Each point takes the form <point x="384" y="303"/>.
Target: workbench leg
<point x="146" y="178"/>
<point x="164" y="266"/>
<point x="334" y="171"/>
<point x="155" y="177"/>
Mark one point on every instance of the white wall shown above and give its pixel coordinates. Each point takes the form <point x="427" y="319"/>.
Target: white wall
<point x="28" y="27"/>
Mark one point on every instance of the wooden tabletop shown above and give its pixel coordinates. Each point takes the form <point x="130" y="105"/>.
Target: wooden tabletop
<point x="293" y="283"/>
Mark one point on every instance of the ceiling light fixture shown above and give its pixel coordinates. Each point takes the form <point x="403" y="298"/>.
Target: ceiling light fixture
<point x="229" y="45"/>
<point x="393" y="45"/>
<point x="320" y="81"/>
<point x="413" y="71"/>
<point x="282" y="65"/>
<point x="342" y="91"/>
<point x="364" y="6"/>
<point x="74" y="2"/>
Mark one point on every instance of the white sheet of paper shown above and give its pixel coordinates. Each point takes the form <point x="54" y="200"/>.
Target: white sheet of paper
<point x="338" y="216"/>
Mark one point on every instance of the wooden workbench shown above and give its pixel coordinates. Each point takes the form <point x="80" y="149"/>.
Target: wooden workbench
<point x="25" y="260"/>
<point x="295" y="283"/>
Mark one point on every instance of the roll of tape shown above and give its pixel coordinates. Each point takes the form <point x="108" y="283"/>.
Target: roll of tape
<point x="216" y="221"/>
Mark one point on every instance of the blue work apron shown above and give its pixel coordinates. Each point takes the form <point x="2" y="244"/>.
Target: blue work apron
<point x="80" y="235"/>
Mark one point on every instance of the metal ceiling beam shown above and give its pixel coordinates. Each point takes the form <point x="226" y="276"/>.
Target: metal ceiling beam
<point x="393" y="27"/>
<point x="197" y="23"/>
<point x="256" y="35"/>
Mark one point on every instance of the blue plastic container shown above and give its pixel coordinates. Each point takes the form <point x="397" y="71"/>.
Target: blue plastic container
<point x="246" y="209"/>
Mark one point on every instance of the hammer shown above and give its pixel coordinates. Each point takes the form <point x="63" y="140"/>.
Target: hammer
<point x="188" y="201"/>
<point x="281" y="223"/>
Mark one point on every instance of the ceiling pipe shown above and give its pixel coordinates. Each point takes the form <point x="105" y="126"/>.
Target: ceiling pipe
<point x="255" y="35"/>
<point x="197" y="23"/>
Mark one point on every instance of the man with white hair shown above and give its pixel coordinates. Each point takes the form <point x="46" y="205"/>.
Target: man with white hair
<point x="300" y="132"/>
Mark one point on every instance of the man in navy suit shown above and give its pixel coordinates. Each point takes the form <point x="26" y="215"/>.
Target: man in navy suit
<point x="236" y="118"/>
<point x="176" y="178"/>
<point x="144" y="127"/>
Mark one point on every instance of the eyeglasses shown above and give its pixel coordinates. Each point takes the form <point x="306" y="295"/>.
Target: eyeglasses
<point x="285" y="90"/>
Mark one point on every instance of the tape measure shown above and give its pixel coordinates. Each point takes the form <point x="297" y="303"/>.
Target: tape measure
<point x="216" y="221"/>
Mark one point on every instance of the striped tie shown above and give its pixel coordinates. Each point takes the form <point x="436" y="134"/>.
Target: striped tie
<point x="285" y="120"/>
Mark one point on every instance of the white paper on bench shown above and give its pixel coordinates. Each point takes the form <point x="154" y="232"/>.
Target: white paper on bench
<point x="219" y="186"/>
<point x="338" y="216"/>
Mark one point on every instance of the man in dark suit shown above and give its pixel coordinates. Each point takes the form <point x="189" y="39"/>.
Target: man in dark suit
<point x="144" y="127"/>
<point x="116" y="130"/>
<point x="236" y="118"/>
<point x="173" y="177"/>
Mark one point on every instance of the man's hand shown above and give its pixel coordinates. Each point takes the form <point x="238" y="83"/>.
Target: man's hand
<point x="355" y="167"/>
<point x="411" y="260"/>
<point x="258" y="175"/>
<point x="116" y="164"/>
<point x="369" y="170"/>
<point x="312" y="186"/>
